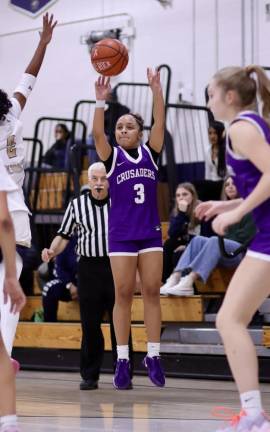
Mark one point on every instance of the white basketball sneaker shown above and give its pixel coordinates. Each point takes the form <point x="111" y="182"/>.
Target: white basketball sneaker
<point x="171" y="281"/>
<point x="246" y="423"/>
<point x="183" y="288"/>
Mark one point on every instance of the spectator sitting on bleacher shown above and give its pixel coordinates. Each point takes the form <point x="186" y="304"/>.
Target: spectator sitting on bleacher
<point x="203" y="254"/>
<point x="55" y="157"/>
<point x="31" y="261"/>
<point x="64" y="285"/>
<point x="183" y="226"/>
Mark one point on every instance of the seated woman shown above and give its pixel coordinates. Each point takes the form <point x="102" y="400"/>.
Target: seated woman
<point x="56" y="156"/>
<point x="203" y="254"/>
<point x="182" y="226"/>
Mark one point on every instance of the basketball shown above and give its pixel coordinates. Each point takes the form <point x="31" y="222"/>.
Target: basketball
<point x="109" y="57"/>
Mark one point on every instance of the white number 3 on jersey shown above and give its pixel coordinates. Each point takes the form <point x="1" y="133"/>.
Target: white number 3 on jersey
<point x="140" y="197"/>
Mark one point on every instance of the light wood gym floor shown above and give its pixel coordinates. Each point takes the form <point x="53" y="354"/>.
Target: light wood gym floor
<point x="52" y="401"/>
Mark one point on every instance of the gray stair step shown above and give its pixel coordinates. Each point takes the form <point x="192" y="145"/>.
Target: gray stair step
<point x="210" y="317"/>
<point x="265" y="307"/>
<point x="266" y="317"/>
<point x="202" y="349"/>
<point x="210" y="336"/>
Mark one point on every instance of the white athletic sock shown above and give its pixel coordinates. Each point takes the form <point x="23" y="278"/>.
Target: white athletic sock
<point x="153" y="349"/>
<point x="9" y="321"/>
<point x="9" y="420"/>
<point x="122" y="352"/>
<point x="251" y="402"/>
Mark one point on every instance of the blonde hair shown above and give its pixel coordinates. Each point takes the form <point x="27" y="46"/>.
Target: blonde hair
<point x="195" y="201"/>
<point x="240" y="79"/>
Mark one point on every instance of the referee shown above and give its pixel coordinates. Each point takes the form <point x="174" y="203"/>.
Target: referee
<point x="88" y="217"/>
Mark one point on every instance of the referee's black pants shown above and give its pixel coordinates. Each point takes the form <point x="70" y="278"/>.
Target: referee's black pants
<point x="96" y="296"/>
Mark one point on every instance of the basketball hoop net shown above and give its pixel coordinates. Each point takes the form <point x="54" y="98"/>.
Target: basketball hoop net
<point x="165" y="3"/>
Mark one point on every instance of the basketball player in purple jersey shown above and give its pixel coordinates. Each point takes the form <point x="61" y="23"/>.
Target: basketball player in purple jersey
<point x="232" y="98"/>
<point x="134" y="226"/>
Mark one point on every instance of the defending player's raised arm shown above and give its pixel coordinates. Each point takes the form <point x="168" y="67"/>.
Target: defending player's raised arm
<point x="28" y="79"/>
<point x="103" y="90"/>
<point x="157" y="132"/>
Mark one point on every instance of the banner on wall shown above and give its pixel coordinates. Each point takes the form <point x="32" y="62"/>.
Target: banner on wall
<point x="31" y="8"/>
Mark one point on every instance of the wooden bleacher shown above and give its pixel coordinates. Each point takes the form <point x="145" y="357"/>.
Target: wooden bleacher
<point x="66" y="333"/>
<point x="52" y="188"/>
<point x="175" y="309"/>
<point x="266" y="336"/>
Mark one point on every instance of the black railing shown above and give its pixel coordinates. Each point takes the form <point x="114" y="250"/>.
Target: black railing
<point x="44" y="130"/>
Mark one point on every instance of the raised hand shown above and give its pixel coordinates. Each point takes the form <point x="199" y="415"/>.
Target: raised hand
<point x="14" y="292"/>
<point x="182" y="206"/>
<point x="47" y="255"/>
<point x="153" y="77"/>
<point x="48" y="28"/>
<point x="103" y="88"/>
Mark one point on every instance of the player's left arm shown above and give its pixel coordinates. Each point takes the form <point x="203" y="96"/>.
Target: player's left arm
<point x="157" y="132"/>
<point x="28" y="79"/>
<point x="249" y="143"/>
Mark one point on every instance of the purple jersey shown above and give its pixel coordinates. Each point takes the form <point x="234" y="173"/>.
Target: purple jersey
<point x="246" y="177"/>
<point x="133" y="189"/>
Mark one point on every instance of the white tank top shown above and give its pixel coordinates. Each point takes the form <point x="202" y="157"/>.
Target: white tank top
<point x="12" y="153"/>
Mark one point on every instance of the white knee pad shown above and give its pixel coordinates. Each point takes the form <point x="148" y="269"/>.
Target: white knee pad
<point x="26" y="85"/>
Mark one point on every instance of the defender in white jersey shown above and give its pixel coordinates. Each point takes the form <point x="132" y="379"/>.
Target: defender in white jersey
<point x="12" y="156"/>
<point x="11" y="289"/>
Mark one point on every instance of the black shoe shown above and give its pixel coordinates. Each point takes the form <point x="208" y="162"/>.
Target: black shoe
<point x="88" y="385"/>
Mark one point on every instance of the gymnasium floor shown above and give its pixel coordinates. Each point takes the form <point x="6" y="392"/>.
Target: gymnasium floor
<point x="52" y="402"/>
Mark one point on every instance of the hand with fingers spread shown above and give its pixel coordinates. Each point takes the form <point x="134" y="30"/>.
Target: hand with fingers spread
<point x="13" y="291"/>
<point x="48" y="28"/>
<point x="153" y="77"/>
<point x="103" y="88"/>
<point x="47" y="255"/>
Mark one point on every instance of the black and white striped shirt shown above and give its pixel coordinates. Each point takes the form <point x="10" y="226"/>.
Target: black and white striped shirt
<point x="88" y="218"/>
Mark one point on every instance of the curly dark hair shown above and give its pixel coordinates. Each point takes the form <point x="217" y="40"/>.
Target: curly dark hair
<point x="5" y="105"/>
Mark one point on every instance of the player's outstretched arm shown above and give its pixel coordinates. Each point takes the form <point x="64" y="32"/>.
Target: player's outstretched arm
<point x="28" y="79"/>
<point x="57" y="246"/>
<point x="103" y="90"/>
<point x="157" y="132"/>
<point x="12" y="288"/>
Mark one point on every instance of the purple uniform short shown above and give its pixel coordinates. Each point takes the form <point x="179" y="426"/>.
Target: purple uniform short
<point x="135" y="247"/>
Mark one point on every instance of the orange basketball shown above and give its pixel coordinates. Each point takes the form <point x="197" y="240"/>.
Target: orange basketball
<point x="109" y="57"/>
